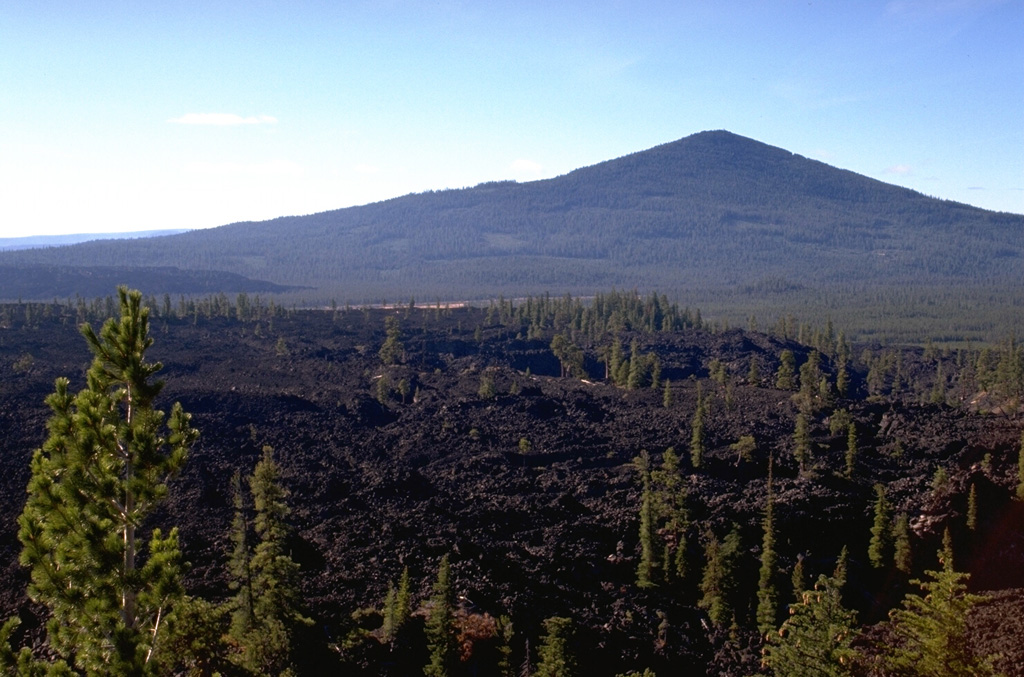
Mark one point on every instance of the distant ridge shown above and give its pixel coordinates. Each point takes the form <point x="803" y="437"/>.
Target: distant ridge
<point x="36" y="241"/>
<point x="713" y="213"/>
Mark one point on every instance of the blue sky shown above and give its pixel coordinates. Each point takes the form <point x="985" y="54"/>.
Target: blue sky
<point x="119" y="116"/>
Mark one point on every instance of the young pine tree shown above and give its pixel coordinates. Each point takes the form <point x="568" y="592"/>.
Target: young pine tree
<point x="487" y="390"/>
<point x="842" y="565"/>
<point x="843" y="380"/>
<point x="799" y="578"/>
<point x="802" y="442"/>
<point x="648" y="561"/>
<point x="784" y="377"/>
<point x="972" y="508"/>
<point x="810" y="375"/>
<point x="903" y="556"/>
<point x="744" y="448"/>
<point x="392" y="350"/>
<point x="671" y="516"/>
<point x="767" y="592"/>
<point x="505" y="634"/>
<point x="880" y="546"/>
<point x="240" y="563"/>
<point x="397" y="608"/>
<point x="440" y="625"/>
<point x="817" y="637"/>
<point x="654" y="365"/>
<point x="621" y="365"/>
<point x="932" y="628"/>
<point x="266" y="638"/>
<point x="560" y="348"/>
<point x="99" y="474"/>
<point x="697" y="434"/>
<point x="851" y="449"/>
<point x="719" y="581"/>
<point x="635" y="377"/>
<point x="553" y="654"/>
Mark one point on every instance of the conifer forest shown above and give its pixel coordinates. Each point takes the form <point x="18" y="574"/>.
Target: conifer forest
<point x="547" y="485"/>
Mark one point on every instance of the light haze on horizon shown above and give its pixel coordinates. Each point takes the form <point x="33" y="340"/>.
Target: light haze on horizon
<point x="122" y="116"/>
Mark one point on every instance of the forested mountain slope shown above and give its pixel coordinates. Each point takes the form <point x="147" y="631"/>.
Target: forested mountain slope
<point x="713" y="211"/>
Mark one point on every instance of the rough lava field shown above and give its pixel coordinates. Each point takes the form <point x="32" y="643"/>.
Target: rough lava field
<point x="547" y="528"/>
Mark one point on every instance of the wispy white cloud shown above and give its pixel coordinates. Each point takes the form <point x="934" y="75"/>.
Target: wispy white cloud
<point x="523" y="166"/>
<point x="902" y="170"/>
<point x="271" y="168"/>
<point x="364" y="168"/>
<point x="222" y="119"/>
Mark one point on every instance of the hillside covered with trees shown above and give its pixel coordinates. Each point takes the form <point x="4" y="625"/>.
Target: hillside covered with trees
<point x="728" y="220"/>
<point x="545" y="486"/>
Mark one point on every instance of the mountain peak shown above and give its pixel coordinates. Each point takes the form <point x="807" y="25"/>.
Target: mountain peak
<point x="711" y="211"/>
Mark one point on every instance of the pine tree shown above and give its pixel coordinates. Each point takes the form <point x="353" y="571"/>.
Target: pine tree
<point x="810" y="374"/>
<point x="383" y="389"/>
<point x="100" y="472"/>
<point x="744" y="448"/>
<point x="972" y="508"/>
<point x="719" y="580"/>
<point x="842" y="564"/>
<point x="240" y="563"/>
<point x="440" y="625"/>
<point x="786" y="372"/>
<point x="197" y="641"/>
<point x="798" y="578"/>
<point x="392" y="350"/>
<point x="397" y="607"/>
<point x="645" y="570"/>
<point x="654" y="365"/>
<point x="902" y="552"/>
<point x="505" y="634"/>
<point x="843" y="380"/>
<point x="717" y="372"/>
<point x="560" y="348"/>
<point x="487" y="390"/>
<point x="671" y="515"/>
<point x="666" y="394"/>
<point x="634" y="379"/>
<point x="933" y="628"/>
<point x="880" y="546"/>
<point x="615" y="363"/>
<point x="817" y="637"/>
<point x="767" y="593"/>
<point x="266" y="638"/>
<point x="802" y="442"/>
<point x="553" y="654"/>
<point x="851" y="449"/>
<point x="697" y="434"/>
<point x="938" y="394"/>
